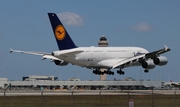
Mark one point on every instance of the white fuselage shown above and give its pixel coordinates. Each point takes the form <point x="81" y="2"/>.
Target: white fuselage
<point x="102" y="57"/>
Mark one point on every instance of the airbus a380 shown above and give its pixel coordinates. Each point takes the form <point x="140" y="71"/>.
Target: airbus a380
<point x="96" y="58"/>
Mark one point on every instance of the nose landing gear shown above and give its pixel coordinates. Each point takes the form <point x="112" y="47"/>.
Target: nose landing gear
<point x="146" y="71"/>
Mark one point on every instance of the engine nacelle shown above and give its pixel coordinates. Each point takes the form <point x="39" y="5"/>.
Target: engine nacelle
<point x="148" y="64"/>
<point x="160" y="61"/>
<point x="60" y="63"/>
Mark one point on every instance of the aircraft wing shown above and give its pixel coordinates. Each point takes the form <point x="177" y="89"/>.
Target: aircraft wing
<point x="132" y="60"/>
<point x="128" y="61"/>
<point x="43" y="54"/>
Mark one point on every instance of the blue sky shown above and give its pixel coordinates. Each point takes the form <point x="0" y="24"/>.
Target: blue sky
<point x="24" y="25"/>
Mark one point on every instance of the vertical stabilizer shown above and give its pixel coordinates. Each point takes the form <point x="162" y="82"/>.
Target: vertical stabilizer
<point x="63" y="39"/>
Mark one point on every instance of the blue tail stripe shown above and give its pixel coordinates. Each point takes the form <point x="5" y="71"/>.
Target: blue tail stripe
<point x="64" y="41"/>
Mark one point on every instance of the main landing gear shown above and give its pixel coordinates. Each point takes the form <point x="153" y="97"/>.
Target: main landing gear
<point x="109" y="72"/>
<point x="120" y="72"/>
<point x="98" y="72"/>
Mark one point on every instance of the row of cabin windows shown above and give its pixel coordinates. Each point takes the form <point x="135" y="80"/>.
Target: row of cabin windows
<point x="111" y="51"/>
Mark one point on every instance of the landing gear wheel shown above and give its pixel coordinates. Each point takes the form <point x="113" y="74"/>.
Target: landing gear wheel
<point x="97" y="72"/>
<point x="120" y="72"/>
<point x="109" y="72"/>
<point x="105" y="72"/>
<point x="123" y="73"/>
<point x="146" y="71"/>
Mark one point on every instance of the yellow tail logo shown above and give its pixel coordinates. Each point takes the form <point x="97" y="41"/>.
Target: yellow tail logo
<point x="60" y="32"/>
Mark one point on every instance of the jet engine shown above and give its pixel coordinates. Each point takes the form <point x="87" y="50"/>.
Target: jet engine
<point x="148" y="64"/>
<point x="60" y="63"/>
<point x="160" y="61"/>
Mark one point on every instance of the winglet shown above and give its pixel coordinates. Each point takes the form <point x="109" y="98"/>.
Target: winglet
<point x="166" y="48"/>
<point x="11" y="50"/>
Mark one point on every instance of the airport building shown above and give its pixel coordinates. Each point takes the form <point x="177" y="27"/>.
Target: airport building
<point x="35" y="78"/>
<point x="51" y="83"/>
<point x="3" y="82"/>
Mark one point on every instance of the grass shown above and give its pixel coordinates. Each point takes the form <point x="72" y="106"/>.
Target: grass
<point x="90" y="101"/>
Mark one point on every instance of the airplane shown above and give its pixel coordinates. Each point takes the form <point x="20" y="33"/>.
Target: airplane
<point x="96" y="58"/>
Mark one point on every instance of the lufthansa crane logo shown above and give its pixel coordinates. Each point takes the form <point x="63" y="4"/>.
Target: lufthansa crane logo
<point x="60" y="32"/>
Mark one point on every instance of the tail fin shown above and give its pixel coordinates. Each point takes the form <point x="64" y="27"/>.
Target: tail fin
<point x="63" y="39"/>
